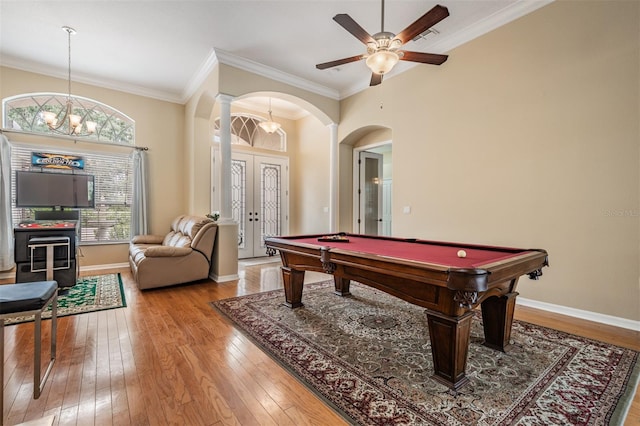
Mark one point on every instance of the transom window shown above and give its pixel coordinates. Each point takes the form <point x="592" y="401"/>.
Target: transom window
<point x="245" y="130"/>
<point x="25" y="113"/>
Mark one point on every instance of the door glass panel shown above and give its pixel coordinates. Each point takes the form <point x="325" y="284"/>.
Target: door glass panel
<point x="371" y="188"/>
<point x="238" y="197"/>
<point x="386" y="207"/>
<point x="270" y="185"/>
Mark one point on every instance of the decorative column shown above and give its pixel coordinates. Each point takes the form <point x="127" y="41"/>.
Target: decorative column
<point x="225" y="158"/>
<point x="224" y="265"/>
<point x="333" y="177"/>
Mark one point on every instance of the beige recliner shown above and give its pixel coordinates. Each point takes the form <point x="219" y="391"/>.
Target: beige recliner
<point x="181" y="256"/>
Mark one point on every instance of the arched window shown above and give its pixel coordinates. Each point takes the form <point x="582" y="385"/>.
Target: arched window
<point x="245" y="130"/>
<point x="25" y="113"/>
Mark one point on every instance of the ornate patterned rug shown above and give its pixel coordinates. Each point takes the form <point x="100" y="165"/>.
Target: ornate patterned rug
<point x="90" y="294"/>
<point x="369" y="357"/>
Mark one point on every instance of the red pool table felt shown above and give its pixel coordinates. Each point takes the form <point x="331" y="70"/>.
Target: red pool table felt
<point x="444" y="254"/>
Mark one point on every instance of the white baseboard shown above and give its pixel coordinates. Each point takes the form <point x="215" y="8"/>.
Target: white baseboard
<point x="579" y="313"/>
<point x="223" y="278"/>
<point x="4" y="275"/>
<point x="99" y="268"/>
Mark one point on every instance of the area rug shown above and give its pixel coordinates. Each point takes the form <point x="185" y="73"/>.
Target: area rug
<point x="90" y="294"/>
<point x="369" y="357"/>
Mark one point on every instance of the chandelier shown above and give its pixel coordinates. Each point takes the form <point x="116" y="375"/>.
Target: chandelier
<point x="65" y="121"/>
<point x="269" y="126"/>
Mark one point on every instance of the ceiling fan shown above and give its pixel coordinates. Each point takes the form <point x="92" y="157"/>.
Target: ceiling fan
<point x="383" y="48"/>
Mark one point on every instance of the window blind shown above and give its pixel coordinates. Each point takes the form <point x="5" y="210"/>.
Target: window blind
<point x="110" y="220"/>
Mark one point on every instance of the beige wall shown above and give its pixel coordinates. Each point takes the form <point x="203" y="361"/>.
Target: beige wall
<point x="159" y="126"/>
<point x="310" y="178"/>
<point x="197" y="142"/>
<point x="530" y="138"/>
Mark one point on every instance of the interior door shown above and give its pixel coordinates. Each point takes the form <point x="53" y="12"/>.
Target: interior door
<point x="258" y="200"/>
<point x="370" y="190"/>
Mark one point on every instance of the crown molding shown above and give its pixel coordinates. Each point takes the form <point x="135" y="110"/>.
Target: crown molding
<point x="510" y="13"/>
<point x="12" y="62"/>
<point x="443" y="44"/>
<point x="274" y="74"/>
<point x="216" y="56"/>
<point x="199" y="77"/>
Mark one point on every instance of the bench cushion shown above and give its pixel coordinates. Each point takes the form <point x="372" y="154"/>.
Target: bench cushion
<point x="25" y="297"/>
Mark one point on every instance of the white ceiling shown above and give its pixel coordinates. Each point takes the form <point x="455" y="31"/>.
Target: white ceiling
<point x="163" y="49"/>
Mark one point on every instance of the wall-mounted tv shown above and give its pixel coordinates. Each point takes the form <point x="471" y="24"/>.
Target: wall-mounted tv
<point x="44" y="189"/>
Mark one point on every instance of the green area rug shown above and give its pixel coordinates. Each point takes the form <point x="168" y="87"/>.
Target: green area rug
<point x="369" y="357"/>
<point x="90" y="294"/>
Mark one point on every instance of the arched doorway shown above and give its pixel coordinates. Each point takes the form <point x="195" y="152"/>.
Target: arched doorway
<point x="367" y="152"/>
<point x="260" y="170"/>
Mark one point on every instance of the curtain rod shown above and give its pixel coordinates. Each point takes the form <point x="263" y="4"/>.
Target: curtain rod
<point x="74" y="140"/>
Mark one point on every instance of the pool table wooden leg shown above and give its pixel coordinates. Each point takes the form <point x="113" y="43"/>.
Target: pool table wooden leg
<point x="497" y="319"/>
<point x="341" y="286"/>
<point x="292" y="280"/>
<point x="449" y="346"/>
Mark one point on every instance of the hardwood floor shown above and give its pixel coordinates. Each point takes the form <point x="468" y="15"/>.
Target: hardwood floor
<point x="169" y="358"/>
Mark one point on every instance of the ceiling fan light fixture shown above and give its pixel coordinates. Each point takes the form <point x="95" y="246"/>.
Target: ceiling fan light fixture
<point x="382" y="61"/>
<point x="383" y="48"/>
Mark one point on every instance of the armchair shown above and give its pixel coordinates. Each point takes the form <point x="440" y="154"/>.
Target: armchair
<point x="183" y="255"/>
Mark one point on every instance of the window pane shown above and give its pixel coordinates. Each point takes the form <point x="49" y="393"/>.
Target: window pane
<point x="245" y="130"/>
<point x="110" y="220"/>
<point x="25" y="113"/>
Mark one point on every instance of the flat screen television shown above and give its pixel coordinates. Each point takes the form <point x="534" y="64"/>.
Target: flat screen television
<point x="45" y="189"/>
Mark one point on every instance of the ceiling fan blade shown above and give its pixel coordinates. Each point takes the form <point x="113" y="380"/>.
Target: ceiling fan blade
<point x="353" y="27"/>
<point x="425" y="58"/>
<point x="335" y="63"/>
<point x="375" y="79"/>
<point x="426" y="21"/>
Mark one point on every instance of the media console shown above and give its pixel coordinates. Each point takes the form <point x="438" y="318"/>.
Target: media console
<point x="46" y="250"/>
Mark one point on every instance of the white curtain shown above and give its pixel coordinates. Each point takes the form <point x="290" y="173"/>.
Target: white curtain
<point x="6" y="223"/>
<point x="139" y="224"/>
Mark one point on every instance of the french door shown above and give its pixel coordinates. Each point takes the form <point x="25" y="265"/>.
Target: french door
<point x="259" y="200"/>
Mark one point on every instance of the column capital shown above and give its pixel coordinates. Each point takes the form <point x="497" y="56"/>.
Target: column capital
<point x="224" y="98"/>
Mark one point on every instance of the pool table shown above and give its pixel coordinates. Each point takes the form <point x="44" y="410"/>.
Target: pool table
<point x="430" y="274"/>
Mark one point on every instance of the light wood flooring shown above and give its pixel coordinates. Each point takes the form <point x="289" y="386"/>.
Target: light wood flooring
<point x="169" y="358"/>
